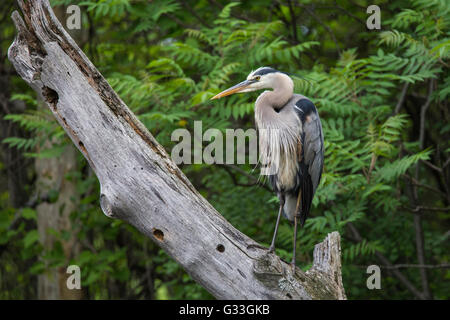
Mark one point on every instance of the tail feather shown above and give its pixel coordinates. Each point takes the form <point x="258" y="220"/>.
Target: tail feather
<point x="306" y="194"/>
<point x="289" y="207"/>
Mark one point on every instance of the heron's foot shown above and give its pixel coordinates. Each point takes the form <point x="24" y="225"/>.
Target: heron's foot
<point x="271" y="249"/>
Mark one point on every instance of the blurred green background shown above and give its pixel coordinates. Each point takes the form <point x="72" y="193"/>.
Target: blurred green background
<point x="382" y="96"/>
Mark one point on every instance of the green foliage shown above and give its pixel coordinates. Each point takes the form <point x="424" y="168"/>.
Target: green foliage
<point x="167" y="72"/>
<point x="362" y="248"/>
<point x="107" y="7"/>
<point x="43" y="128"/>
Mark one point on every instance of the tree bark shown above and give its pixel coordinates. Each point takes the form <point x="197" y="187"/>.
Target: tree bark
<point x="141" y="185"/>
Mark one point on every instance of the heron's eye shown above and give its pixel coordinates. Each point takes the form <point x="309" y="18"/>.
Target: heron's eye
<point x="257" y="78"/>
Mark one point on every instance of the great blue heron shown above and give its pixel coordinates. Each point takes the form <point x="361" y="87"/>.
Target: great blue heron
<point x="290" y="137"/>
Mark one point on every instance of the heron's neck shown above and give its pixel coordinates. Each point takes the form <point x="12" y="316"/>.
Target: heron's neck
<point x="283" y="89"/>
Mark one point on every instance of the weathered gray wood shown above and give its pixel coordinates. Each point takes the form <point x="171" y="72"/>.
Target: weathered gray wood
<point x="141" y="185"/>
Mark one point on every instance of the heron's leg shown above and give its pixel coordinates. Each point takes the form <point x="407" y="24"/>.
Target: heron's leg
<point x="295" y="239"/>
<point x="272" y="245"/>
<point x="296" y="217"/>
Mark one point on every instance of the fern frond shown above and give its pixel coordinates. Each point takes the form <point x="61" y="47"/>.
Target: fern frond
<point x="393" y="170"/>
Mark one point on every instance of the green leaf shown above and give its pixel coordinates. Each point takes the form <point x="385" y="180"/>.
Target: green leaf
<point x="29" y="214"/>
<point x="30" y="238"/>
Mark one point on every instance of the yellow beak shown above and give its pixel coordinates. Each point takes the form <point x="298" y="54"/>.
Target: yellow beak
<point x="234" y="89"/>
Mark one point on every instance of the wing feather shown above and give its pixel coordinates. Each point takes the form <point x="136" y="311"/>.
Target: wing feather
<point x="311" y="162"/>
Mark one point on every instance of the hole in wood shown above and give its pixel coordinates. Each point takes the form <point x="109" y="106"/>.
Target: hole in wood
<point x="82" y="147"/>
<point x="51" y="96"/>
<point x="158" y="234"/>
<point x="220" y="248"/>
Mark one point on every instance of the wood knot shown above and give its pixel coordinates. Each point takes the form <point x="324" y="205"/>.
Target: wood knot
<point x="106" y="206"/>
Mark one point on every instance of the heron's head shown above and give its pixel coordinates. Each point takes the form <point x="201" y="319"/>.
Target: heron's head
<point x="262" y="78"/>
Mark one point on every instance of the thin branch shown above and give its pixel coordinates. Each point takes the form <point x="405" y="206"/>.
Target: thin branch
<point x="345" y="11"/>
<point x="426" y="266"/>
<point x="420" y="246"/>
<point x="438" y="173"/>
<point x="423" y="112"/>
<point x="425" y="186"/>
<point x="293" y="21"/>
<point x="191" y="11"/>
<point x="372" y="166"/>
<point x="327" y="28"/>
<point x="401" y="100"/>
<point x="424" y="208"/>
<point x="385" y="261"/>
<point x="432" y="166"/>
<point x="406" y="265"/>
<point x="255" y="180"/>
<point x="446" y="163"/>
<point x="178" y="21"/>
<point x="357" y="5"/>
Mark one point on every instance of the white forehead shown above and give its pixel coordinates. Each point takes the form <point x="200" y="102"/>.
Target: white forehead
<point x="252" y="74"/>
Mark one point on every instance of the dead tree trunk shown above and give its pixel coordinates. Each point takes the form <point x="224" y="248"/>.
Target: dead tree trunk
<point x="141" y="185"/>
